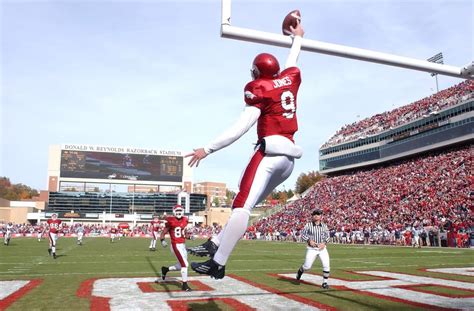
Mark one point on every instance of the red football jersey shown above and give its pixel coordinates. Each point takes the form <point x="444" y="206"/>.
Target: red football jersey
<point x="113" y="230"/>
<point x="54" y="225"/>
<point x="276" y="99"/>
<point x="176" y="228"/>
<point x="155" y="225"/>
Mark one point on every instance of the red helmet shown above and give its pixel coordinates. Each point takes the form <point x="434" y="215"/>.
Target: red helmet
<point x="265" y="66"/>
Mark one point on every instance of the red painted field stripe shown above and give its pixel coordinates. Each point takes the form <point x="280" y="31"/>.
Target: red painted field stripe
<point x="96" y="303"/>
<point x="7" y="301"/>
<point x="287" y="295"/>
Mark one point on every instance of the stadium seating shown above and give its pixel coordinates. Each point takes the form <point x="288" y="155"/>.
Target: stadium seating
<point x="431" y="192"/>
<point x="402" y="115"/>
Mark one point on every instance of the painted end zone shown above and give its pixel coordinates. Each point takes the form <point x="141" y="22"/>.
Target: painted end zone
<point x="236" y="292"/>
<point x="147" y="287"/>
<point x="304" y="300"/>
<point x="402" y="288"/>
<point x="96" y="303"/>
<point x="183" y="305"/>
<point x="23" y="288"/>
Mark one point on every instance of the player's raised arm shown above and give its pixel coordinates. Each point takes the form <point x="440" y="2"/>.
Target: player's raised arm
<point x="298" y="33"/>
<point x="246" y="120"/>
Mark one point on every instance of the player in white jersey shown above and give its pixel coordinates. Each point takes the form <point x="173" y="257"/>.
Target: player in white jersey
<point x="80" y="234"/>
<point x="8" y="233"/>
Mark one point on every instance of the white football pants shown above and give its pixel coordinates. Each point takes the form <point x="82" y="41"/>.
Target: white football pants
<point x="312" y="253"/>
<point x="263" y="174"/>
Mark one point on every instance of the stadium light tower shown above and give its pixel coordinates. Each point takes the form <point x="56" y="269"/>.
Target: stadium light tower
<point x="438" y="59"/>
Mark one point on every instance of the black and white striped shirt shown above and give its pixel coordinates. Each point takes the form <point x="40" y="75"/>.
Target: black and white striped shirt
<point x="318" y="233"/>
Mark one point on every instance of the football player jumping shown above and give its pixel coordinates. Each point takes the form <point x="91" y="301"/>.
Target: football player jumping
<point x="271" y="102"/>
<point x="176" y="227"/>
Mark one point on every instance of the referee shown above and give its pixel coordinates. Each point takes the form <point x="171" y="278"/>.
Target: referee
<point x="316" y="234"/>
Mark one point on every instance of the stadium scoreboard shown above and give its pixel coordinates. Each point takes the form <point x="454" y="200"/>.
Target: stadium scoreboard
<point x="116" y="163"/>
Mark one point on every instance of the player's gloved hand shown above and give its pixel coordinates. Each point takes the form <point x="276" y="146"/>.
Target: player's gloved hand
<point x="163" y="243"/>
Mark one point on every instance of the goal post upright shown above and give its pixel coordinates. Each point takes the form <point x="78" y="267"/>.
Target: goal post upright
<point x="245" y="34"/>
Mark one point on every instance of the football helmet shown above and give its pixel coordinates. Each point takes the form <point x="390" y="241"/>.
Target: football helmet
<point x="265" y="66"/>
<point x="178" y="211"/>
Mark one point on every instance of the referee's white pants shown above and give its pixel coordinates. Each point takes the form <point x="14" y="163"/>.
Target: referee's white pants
<point x="312" y="253"/>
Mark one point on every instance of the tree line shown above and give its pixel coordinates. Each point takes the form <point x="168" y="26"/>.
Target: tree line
<point x="15" y="192"/>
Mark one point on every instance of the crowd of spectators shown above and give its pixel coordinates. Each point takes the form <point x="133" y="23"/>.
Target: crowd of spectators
<point x="402" y="115"/>
<point x="431" y="194"/>
<point x="91" y="229"/>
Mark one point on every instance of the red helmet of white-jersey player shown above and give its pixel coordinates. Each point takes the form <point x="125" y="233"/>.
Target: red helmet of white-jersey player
<point x="265" y="66"/>
<point x="178" y="211"/>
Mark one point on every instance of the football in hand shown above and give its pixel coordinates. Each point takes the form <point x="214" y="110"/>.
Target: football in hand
<point x="291" y="19"/>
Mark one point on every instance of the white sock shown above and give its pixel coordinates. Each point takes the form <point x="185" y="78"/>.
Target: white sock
<point x="233" y="232"/>
<point x="184" y="274"/>
<point x="54" y="249"/>
<point x="216" y="239"/>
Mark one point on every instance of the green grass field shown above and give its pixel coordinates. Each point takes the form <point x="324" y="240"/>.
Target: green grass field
<point x="255" y="261"/>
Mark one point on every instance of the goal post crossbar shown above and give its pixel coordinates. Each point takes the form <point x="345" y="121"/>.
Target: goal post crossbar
<point x="245" y="34"/>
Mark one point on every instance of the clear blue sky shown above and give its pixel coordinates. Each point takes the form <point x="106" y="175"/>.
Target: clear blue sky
<point x="157" y="74"/>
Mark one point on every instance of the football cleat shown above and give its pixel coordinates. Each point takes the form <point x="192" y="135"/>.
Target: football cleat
<point x="325" y="285"/>
<point x="164" y="270"/>
<point x="209" y="267"/>
<point x="185" y="287"/>
<point x="206" y="249"/>
<point x="299" y="273"/>
<point x="54" y="255"/>
<point x="49" y="251"/>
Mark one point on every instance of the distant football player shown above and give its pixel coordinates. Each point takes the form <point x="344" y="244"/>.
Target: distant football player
<point x="155" y="225"/>
<point x="316" y="234"/>
<point x="54" y="227"/>
<point x="40" y="230"/>
<point x="176" y="227"/>
<point x="113" y="234"/>
<point x="80" y="234"/>
<point x="8" y="234"/>
<point x="271" y="102"/>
